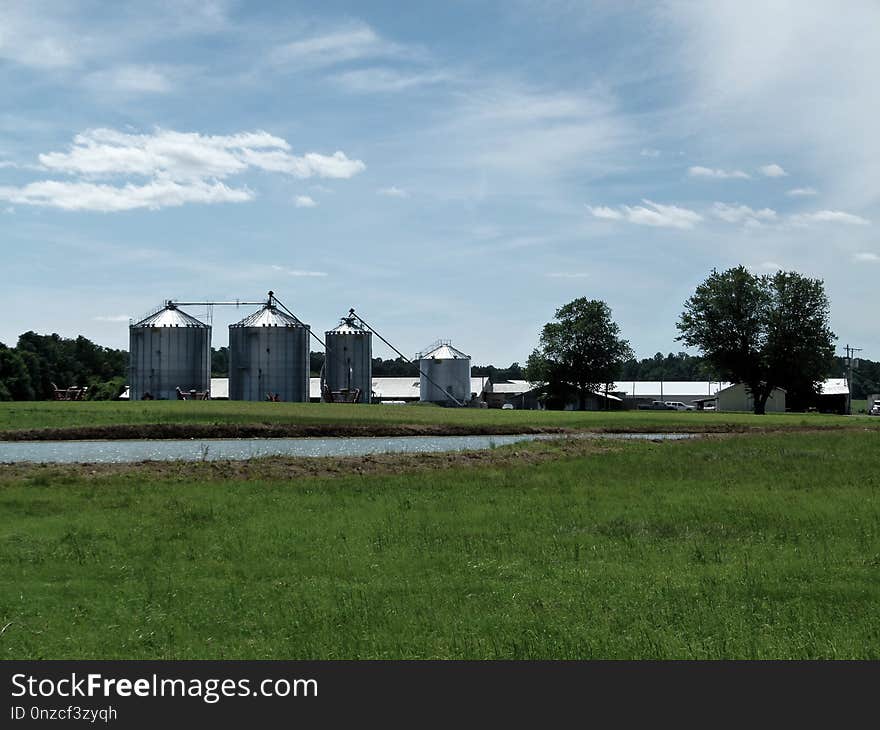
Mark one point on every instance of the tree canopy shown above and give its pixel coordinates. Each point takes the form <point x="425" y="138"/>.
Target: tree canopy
<point x="767" y="331"/>
<point x="580" y="351"/>
<point x="28" y="370"/>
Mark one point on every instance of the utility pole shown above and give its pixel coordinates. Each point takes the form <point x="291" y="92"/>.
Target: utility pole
<point x="850" y="352"/>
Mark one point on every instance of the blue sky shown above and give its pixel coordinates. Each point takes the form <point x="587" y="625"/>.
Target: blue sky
<point x="454" y="170"/>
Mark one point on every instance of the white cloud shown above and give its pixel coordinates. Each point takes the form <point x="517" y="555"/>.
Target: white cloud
<point x="297" y="272"/>
<point x="649" y="152"/>
<point x="190" y="155"/>
<point x="27" y="41"/>
<point x="742" y="214"/>
<point x="802" y="192"/>
<point x="112" y="318"/>
<point x="305" y="201"/>
<point x="772" y="170"/>
<point x="384" y="80"/>
<point x="603" y="211"/>
<point x="179" y="168"/>
<point x="393" y="192"/>
<point x="710" y="172"/>
<point x="867" y="256"/>
<point x="769" y="266"/>
<point x="131" y="79"/>
<point x="110" y="198"/>
<point x="805" y="68"/>
<point x="567" y="275"/>
<point x="344" y="45"/>
<point x="501" y="132"/>
<point x="828" y="216"/>
<point x="650" y="214"/>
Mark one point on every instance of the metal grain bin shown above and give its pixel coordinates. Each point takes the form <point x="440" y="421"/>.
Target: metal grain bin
<point x="168" y="350"/>
<point x="348" y="367"/>
<point x="269" y="357"/>
<point x="443" y="368"/>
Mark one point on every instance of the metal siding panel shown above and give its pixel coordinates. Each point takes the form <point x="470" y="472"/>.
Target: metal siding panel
<point x="348" y="363"/>
<point x="266" y="359"/>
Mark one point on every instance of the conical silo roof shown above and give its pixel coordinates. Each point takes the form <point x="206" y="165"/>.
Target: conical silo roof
<point x="170" y="316"/>
<point x="268" y="316"/>
<point x="348" y="326"/>
<point x="444" y="351"/>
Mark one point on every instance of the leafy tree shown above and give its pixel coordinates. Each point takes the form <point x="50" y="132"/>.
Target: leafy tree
<point x="40" y="360"/>
<point x="497" y="375"/>
<point x="15" y="380"/>
<point x="767" y="331"/>
<point x="219" y="362"/>
<point x="680" y="366"/>
<point x="581" y="351"/>
<point x="866" y="376"/>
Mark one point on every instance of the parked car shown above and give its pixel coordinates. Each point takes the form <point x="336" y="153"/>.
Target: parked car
<point x="875" y="409"/>
<point x="507" y="407"/>
<point x="677" y="405"/>
<point x="657" y="405"/>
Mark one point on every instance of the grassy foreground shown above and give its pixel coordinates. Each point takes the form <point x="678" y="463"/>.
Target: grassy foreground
<point x="747" y="546"/>
<point x="71" y="415"/>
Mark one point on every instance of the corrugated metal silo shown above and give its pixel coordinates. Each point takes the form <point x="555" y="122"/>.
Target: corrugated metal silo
<point x="168" y="350"/>
<point x="269" y="356"/>
<point x="443" y="368"/>
<point x="348" y="366"/>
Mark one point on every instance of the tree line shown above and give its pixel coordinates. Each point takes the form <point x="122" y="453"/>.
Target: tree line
<point x="766" y="331"/>
<point x="28" y="370"/>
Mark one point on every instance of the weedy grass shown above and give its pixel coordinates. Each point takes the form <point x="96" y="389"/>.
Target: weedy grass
<point x="90" y="414"/>
<point x="756" y="546"/>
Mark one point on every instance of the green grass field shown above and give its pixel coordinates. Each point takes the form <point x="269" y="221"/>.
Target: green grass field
<point x="747" y="546"/>
<point x="38" y="415"/>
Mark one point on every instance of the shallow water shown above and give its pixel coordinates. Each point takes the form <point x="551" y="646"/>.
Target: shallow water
<point x="121" y="451"/>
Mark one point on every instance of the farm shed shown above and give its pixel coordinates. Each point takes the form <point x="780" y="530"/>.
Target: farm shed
<point x="737" y="398"/>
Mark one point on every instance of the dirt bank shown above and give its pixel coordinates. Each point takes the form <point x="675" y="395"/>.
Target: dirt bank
<point x="261" y="430"/>
<point x="283" y="467"/>
<point x="327" y="430"/>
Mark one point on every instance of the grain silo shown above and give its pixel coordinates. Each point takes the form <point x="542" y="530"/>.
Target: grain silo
<point x="269" y="357"/>
<point x="348" y="366"/>
<point x="445" y="375"/>
<point x="169" y="350"/>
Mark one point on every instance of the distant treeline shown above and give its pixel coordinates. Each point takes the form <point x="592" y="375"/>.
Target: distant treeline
<point x="681" y="366"/>
<point x="28" y="370"/>
<point x="667" y="367"/>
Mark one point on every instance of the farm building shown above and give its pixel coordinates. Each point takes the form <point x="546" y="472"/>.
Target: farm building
<point x="524" y="395"/>
<point x="737" y="398"/>
<point x="540" y="398"/>
<point x="834" y="396"/>
<point x="637" y="392"/>
<point x="394" y="389"/>
<point x="506" y="391"/>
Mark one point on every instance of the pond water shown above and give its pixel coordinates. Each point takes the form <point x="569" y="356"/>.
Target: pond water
<point x="123" y="451"/>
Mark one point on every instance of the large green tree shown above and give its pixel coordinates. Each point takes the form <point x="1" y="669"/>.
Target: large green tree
<point x="767" y="331"/>
<point x="580" y="351"/>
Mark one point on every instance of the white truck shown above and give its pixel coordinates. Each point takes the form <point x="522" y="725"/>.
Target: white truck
<point x="677" y="405"/>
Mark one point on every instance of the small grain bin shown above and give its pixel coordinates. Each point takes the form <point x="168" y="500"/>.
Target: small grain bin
<point x="445" y="375"/>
